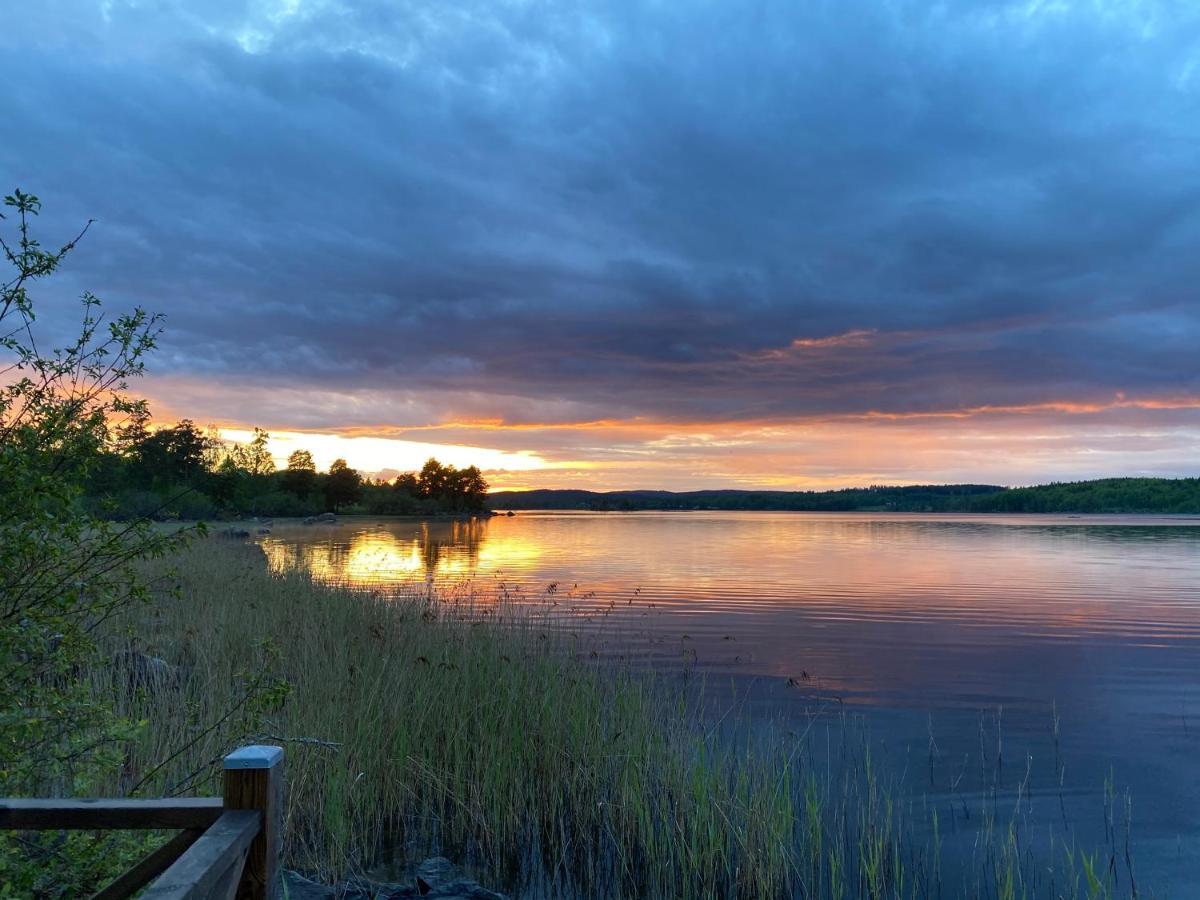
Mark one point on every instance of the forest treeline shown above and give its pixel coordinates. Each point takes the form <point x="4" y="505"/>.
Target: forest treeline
<point x="1108" y="495"/>
<point x="186" y="472"/>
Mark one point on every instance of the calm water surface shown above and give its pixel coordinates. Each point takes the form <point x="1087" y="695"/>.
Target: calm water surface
<point x="958" y="640"/>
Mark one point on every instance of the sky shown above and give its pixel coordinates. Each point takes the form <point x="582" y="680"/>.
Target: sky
<point x="802" y="244"/>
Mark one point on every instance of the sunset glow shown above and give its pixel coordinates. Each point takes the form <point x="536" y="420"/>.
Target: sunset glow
<point x="1013" y="445"/>
<point x="575" y="257"/>
<point x="383" y="455"/>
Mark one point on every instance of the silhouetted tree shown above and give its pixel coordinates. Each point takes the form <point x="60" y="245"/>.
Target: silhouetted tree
<point x="225" y="480"/>
<point x="446" y="488"/>
<point x="300" y="476"/>
<point x="128" y="436"/>
<point x="465" y="489"/>
<point x="407" y="484"/>
<point x="257" y="456"/>
<point x="432" y="480"/>
<point x="175" y="455"/>
<point x="343" y="485"/>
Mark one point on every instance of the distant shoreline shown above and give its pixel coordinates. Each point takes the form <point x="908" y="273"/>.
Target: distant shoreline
<point x="1108" y="496"/>
<point x="1083" y="517"/>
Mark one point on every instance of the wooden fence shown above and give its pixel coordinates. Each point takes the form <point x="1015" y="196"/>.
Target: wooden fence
<point x="228" y="847"/>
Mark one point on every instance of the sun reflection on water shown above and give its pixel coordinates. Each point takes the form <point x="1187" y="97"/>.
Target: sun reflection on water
<point x="397" y="553"/>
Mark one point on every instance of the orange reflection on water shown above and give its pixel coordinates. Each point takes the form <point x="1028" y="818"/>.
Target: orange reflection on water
<point x="376" y="555"/>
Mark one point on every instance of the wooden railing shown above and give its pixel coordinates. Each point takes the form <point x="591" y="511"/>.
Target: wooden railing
<point x="228" y="846"/>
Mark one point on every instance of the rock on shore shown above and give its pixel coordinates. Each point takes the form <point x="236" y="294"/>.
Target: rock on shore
<point x="325" y="518"/>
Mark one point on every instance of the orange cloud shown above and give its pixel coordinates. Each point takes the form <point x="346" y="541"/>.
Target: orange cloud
<point x="666" y="426"/>
<point x="854" y="338"/>
<point x="1063" y="407"/>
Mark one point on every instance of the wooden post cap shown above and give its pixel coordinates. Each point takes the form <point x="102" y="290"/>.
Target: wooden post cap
<point x="254" y="780"/>
<point x="256" y="756"/>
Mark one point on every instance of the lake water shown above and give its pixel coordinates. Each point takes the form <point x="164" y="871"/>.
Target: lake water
<point x="956" y="639"/>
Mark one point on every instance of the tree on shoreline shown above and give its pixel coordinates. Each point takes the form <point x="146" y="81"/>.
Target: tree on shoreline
<point x="255" y="457"/>
<point x="441" y="488"/>
<point x="176" y="455"/>
<point x="343" y="485"/>
<point x="300" y="476"/>
<point x="63" y="571"/>
<point x="180" y="471"/>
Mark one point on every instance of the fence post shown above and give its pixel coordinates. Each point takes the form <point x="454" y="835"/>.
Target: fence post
<point x="254" y="780"/>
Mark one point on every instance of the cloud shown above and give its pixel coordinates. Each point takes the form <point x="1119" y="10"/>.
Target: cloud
<point x="389" y="215"/>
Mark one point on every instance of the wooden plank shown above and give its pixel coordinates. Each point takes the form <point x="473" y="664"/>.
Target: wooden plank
<point x="153" y="865"/>
<point x="254" y="780"/>
<point x="207" y="864"/>
<point x="40" y="815"/>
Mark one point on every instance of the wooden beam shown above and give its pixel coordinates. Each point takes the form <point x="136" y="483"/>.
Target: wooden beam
<point x="153" y="865"/>
<point x="254" y="780"/>
<point x="209" y="862"/>
<point x="92" y="815"/>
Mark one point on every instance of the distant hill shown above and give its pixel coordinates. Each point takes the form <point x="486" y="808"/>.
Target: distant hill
<point x="1108" y="495"/>
<point x="1105" y="495"/>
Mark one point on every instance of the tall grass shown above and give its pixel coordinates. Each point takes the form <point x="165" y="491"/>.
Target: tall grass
<point x="414" y="725"/>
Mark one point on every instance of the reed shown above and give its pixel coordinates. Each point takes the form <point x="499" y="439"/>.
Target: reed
<point x="417" y="723"/>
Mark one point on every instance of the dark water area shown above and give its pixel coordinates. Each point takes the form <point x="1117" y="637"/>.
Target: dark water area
<point x="1047" y="665"/>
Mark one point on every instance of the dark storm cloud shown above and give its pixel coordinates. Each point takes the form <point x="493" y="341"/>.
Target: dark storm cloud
<point x="613" y="210"/>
